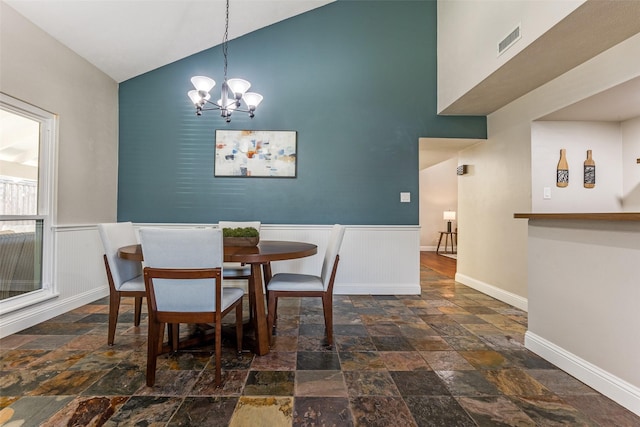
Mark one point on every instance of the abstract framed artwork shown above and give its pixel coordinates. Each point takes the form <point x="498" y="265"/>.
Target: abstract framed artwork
<point x="256" y="154"/>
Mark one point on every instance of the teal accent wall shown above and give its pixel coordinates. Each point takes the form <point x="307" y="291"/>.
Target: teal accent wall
<point x="355" y="79"/>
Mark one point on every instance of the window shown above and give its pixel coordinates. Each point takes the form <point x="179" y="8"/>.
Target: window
<point x="27" y="138"/>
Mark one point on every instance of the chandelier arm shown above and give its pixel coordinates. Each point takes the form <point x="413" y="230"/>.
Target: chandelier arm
<point x="206" y="101"/>
<point x="215" y="107"/>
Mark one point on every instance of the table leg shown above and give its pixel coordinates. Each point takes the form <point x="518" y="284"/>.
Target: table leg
<point x="439" y="241"/>
<point x="263" y="336"/>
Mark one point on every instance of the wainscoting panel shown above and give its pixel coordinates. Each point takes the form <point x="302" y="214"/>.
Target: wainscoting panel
<point x="78" y="279"/>
<point x="373" y="260"/>
<point x="79" y="263"/>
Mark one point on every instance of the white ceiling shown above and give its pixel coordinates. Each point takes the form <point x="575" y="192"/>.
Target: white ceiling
<point x="126" y="38"/>
<point x="436" y="150"/>
<point x="618" y="104"/>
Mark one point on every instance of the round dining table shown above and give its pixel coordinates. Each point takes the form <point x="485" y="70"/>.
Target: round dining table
<point x="260" y="258"/>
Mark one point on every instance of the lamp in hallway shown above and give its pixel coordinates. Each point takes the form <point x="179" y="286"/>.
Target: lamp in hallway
<point x="449" y="216"/>
<point x="232" y="92"/>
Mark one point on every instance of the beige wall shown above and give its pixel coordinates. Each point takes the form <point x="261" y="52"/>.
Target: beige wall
<point x="37" y="69"/>
<point x="592" y="268"/>
<point x="630" y="165"/>
<point x="576" y="137"/>
<point x="493" y="253"/>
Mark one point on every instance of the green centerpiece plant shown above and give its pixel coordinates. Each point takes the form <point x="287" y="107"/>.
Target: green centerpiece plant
<point x="241" y="236"/>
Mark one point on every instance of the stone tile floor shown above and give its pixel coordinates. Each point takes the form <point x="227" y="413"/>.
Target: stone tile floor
<point x="449" y="357"/>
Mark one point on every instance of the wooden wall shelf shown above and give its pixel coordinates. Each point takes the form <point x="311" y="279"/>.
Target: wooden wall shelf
<point x="612" y="216"/>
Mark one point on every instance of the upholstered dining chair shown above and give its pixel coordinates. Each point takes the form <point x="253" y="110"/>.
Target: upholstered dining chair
<point x="306" y="285"/>
<point x="239" y="271"/>
<point x="183" y="280"/>
<point x="124" y="276"/>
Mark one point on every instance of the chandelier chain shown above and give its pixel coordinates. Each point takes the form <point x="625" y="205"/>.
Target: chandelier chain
<point x="225" y="41"/>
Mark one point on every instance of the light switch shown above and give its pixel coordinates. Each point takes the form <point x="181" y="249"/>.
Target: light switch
<point x="405" y="197"/>
<point x="546" y="193"/>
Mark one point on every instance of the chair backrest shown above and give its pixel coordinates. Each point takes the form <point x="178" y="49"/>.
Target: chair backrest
<point x="333" y="249"/>
<point x="238" y="224"/>
<point x="193" y="248"/>
<point x="114" y="236"/>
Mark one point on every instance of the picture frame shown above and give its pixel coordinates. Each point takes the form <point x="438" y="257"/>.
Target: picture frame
<point x="255" y="154"/>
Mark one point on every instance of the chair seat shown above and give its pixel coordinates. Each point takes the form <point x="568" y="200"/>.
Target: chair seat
<point x="230" y="296"/>
<point x="295" y="282"/>
<point x="136" y="284"/>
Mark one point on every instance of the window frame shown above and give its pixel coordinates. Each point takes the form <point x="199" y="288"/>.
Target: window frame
<point x="47" y="166"/>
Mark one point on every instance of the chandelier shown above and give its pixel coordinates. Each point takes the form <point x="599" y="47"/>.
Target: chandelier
<point x="233" y="91"/>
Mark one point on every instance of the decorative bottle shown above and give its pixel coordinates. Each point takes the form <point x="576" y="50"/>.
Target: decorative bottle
<point x="589" y="171"/>
<point x="562" y="177"/>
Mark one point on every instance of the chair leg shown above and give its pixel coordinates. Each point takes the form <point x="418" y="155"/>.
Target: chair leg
<point x="154" y="341"/>
<point x="252" y="301"/>
<point x="327" y="305"/>
<point x="271" y="310"/>
<point x="173" y="335"/>
<point x="218" y="371"/>
<point x="239" y="327"/>
<point x="137" y="311"/>
<point x="114" y="307"/>
<point x="275" y="311"/>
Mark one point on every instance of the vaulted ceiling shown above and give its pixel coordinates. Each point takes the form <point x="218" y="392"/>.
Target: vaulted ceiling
<point x="126" y="38"/>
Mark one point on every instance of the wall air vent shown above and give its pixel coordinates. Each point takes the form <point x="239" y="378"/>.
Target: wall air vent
<point x="509" y="41"/>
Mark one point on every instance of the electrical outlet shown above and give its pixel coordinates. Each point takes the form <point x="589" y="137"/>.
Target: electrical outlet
<point x="405" y="197"/>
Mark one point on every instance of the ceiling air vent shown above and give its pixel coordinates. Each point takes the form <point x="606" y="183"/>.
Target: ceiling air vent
<point x="509" y="41"/>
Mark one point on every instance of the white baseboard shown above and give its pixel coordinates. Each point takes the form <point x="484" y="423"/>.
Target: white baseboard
<point x="377" y="289"/>
<point x="39" y="313"/>
<point x="428" y="248"/>
<point x="604" y="382"/>
<point x="497" y="293"/>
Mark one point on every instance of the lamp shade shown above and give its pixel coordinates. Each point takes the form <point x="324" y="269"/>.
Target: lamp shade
<point x="203" y="83"/>
<point x="449" y="215"/>
<point x="252" y="99"/>
<point x="195" y="97"/>
<point x="238" y="86"/>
